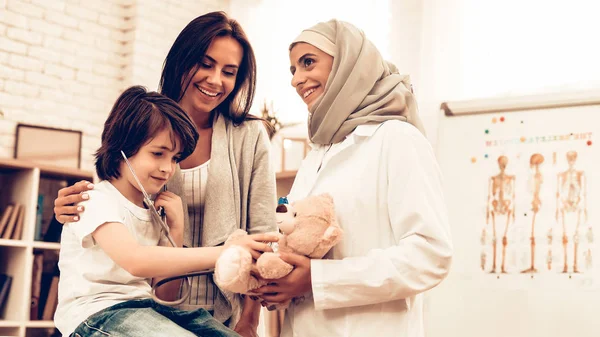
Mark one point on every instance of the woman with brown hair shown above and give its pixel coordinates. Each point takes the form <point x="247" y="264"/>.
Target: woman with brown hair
<point x="228" y="181"/>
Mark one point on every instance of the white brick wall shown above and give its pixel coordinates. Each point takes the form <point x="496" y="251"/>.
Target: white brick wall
<point x="152" y="41"/>
<point x="64" y="62"/>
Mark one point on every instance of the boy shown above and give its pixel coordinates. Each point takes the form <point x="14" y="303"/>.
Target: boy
<point x="109" y="257"/>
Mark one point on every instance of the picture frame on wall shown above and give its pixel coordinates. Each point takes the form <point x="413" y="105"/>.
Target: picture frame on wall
<point x="293" y="151"/>
<point x="48" y="146"/>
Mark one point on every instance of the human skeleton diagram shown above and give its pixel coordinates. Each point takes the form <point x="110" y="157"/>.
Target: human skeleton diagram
<point x="535" y="161"/>
<point x="500" y="203"/>
<point x="571" y="205"/>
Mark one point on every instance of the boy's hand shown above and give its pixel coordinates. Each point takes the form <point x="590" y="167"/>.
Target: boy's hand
<point x="256" y="244"/>
<point x="173" y="207"/>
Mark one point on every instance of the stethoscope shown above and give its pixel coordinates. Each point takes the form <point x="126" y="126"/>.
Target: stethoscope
<point x="157" y="217"/>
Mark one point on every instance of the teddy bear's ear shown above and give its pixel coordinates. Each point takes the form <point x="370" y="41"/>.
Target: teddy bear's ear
<point x="327" y="197"/>
<point x="327" y="200"/>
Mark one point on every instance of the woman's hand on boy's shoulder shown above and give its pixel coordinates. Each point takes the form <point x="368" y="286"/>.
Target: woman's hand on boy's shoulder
<point x="173" y="207"/>
<point x="65" y="205"/>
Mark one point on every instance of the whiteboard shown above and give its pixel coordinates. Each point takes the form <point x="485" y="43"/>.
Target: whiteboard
<point x="475" y="299"/>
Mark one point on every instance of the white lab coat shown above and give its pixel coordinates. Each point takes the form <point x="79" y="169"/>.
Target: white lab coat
<point x="387" y="190"/>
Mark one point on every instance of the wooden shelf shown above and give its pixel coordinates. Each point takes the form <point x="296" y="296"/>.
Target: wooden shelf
<point x="39" y="324"/>
<point x="12" y="243"/>
<point x="286" y="175"/>
<point x="8" y="163"/>
<point x="47" y="170"/>
<point x="9" y="324"/>
<point x="46" y="245"/>
<point x="284" y="181"/>
<point x="21" y="182"/>
<point x="35" y="244"/>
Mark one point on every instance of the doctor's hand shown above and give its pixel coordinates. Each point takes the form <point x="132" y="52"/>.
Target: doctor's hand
<point x="295" y="284"/>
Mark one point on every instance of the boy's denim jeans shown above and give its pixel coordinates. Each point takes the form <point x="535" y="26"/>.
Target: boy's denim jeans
<point x="146" y="318"/>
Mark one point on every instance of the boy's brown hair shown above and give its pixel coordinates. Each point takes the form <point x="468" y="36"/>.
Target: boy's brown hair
<point x="136" y="117"/>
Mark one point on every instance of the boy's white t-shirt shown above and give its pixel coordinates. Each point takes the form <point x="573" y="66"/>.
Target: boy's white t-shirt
<point x="89" y="280"/>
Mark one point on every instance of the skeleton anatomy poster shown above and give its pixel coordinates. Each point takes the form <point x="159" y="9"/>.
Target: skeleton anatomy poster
<point x="522" y="193"/>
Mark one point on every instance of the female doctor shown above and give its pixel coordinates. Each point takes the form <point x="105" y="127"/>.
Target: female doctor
<point x="370" y="154"/>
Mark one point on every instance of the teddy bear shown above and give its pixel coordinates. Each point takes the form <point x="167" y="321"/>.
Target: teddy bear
<point x="307" y="227"/>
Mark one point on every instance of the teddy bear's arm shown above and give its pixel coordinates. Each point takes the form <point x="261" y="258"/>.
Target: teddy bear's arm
<point x="330" y="238"/>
